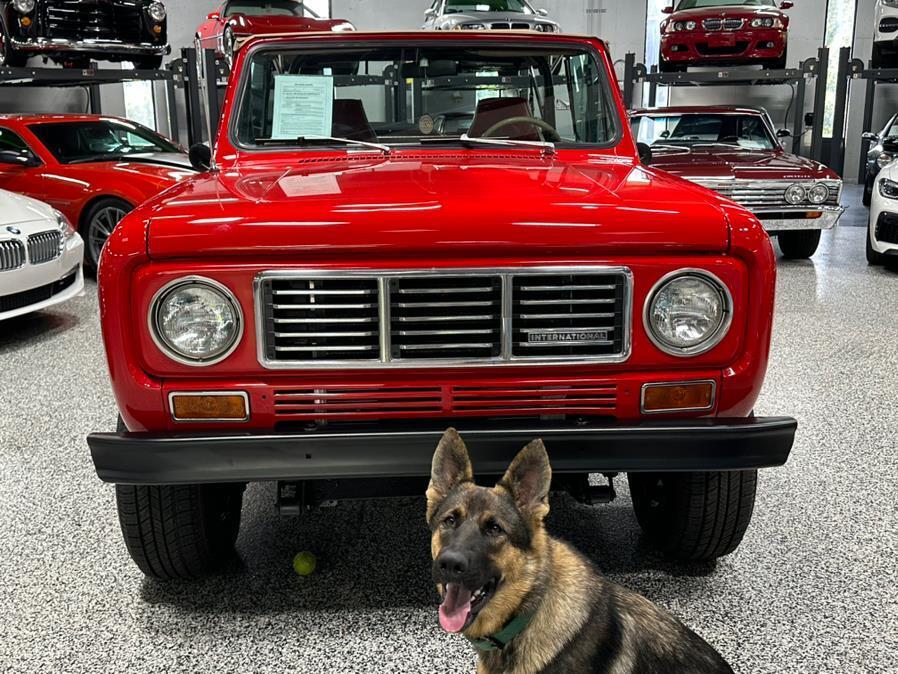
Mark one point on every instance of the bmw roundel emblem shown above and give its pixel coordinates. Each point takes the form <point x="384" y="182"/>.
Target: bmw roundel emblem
<point x="14" y="230"/>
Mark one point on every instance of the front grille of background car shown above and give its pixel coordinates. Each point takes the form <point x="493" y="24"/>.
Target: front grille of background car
<point x="706" y="49"/>
<point x="511" y="26"/>
<point x="35" y="295"/>
<point x="396" y="319"/>
<point x="758" y="195"/>
<point x="103" y="20"/>
<point x="887" y="228"/>
<point x="12" y="254"/>
<point x="723" y="24"/>
<point x="44" y="246"/>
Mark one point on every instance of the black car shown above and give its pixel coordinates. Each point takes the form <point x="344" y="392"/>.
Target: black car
<point x="878" y="155"/>
<point x="72" y="32"/>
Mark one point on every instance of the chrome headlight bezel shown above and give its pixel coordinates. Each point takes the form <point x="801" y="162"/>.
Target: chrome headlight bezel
<point x="24" y="6"/>
<point x="157" y="12"/>
<point x="822" y="192"/>
<point x="169" y="349"/>
<point x="798" y="192"/>
<point x="714" y="337"/>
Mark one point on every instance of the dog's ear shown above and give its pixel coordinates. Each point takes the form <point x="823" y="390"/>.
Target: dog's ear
<point x="528" y="480"/>
<point x="451" y="466"/>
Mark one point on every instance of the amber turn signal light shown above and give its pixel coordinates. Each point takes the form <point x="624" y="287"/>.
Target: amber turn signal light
<point x="25" y="22"/>
<point x="209" y="406"/>
<point x="157" y="29"/>
<point x="696" y="396"/>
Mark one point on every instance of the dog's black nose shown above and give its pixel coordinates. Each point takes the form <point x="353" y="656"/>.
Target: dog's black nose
<point x="452" y="563"/>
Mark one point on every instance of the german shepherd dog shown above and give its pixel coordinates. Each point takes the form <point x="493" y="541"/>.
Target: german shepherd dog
<point x="530" y="603"/>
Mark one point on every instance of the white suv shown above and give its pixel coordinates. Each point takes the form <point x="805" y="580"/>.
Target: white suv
<point x="882" y="230"/>
<point x="885" y="35"/>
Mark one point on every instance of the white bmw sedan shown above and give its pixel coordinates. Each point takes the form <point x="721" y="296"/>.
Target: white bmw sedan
<point x="41" y="256"/>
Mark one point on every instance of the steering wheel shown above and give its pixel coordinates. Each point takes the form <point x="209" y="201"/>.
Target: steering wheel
<point x="550" y="133"/>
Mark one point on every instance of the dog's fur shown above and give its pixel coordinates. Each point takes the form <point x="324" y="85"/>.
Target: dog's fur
<point x="581" y="622"/>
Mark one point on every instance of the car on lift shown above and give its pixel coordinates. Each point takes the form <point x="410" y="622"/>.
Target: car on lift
<point x="92" y="168"/>
<point x="487" y="15"/>
<point x="724" y="33"/>
<point x="736" y="152"/>
<point x="40" y="256"/>
<point x="315" y="309"/>
<point x="882" y="227"/>
<point x="238" y="20"/>
<point x="885" y="34"/>
<point x="877" y="155"/>
<point x="74" y="33"/>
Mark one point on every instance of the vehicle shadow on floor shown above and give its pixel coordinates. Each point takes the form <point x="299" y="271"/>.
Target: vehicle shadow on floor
<point x="376" y="554"/>
<point x="25" y="331"/>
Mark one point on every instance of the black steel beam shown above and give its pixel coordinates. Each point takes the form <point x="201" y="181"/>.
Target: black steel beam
<point x="837" y="149"/>
<point x="819" y="105"/>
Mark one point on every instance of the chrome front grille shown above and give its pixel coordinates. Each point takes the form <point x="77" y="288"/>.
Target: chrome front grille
<point x="511" y="26"/>
<point x="44" y="246"/>
<point x="723" y="24"/>
<point x="760" y="196"/>
<point x="12" y="254"/>
<point x="451" y="318"/>
<point x="95" y="20"/>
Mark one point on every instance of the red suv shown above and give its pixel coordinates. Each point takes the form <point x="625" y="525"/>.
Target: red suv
<point x="348" y="278"/>
<point x="724" y="33"/>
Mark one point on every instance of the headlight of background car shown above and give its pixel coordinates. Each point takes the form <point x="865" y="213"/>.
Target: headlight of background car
<point x="65" y="228"/>
<point x="884" y="158"/>
<point x="157" y="12"/>
<point x="196" y="321"/>
<point x="688" y="313"/>
<point x="888" y="188"/>
<point x="818" y="194"/>
<point x="24" y="6"/>
<point x="471" y="26"/>
<point x="795" y="194"/>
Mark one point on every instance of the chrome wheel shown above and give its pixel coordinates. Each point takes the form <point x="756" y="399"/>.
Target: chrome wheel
<point x="100" y="228"/>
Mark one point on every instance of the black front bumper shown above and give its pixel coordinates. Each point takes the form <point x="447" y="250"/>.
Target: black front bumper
<point x="406" y="451"/>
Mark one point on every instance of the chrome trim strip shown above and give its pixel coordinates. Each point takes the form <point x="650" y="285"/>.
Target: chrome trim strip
<point x="505" y="358"/>
<point x="670" y="384"/>
<point x="66" y="45"/>
<point x="718" y="334"/>
<point x="214" y="394"/>
<point x="184" y="280"/>
<point x="829" y="219"/>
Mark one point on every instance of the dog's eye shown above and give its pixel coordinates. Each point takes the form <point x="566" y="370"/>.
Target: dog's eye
<point x="494" y="529"/>
<point x="449" y="521"/>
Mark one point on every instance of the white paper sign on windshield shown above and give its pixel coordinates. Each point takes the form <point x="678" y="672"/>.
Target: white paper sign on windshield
<point x="303" y="106"/>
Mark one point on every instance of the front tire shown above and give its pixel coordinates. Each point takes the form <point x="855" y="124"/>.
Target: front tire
<point x="98" y="224"/>
<point x="799" y="245"/>
<point x="873" y="258"/>
<point x="868" y="191"/>
<point x="694" y="516"/>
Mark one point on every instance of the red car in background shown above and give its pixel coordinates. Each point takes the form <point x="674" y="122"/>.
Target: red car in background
<point x="94" y="169"/>
<point x="724" y="32"/>
<point x="241" y="19"/>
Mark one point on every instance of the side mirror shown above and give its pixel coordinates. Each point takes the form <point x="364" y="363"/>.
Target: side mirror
<point x="787" y="4"/>
<point x="200" y="157"/>
<point x="783" y="133"/>
<point x="542" y="12"/>
<point x="809" y="119"/>
<point x="667" y="10"/>
<point x="870" y="137"/>
<point x="23" y="159"/>
<point x="214" y="16"/>
<point x="645" y="153"/>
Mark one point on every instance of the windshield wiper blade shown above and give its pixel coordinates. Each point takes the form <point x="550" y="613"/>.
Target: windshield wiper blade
<point x="304" y="140"/>
<point x="465" y="139"/>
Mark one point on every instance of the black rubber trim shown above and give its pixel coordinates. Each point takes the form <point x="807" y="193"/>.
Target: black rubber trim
<point x="406" y="451"/>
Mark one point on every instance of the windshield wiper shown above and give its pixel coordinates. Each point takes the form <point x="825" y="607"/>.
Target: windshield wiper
<point x="470" y="141"/>
<point x="307" y="140"/>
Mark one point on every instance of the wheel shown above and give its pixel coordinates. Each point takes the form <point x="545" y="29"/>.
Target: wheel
<point x="800" y="244"/>
<point x="868" y="191"/>
<point x="694" y="516"/>
<point x="148" y="62"/>
<point x="9" y="57"/>
<point x="99" y="221"/>
<point x="873" y="258"/>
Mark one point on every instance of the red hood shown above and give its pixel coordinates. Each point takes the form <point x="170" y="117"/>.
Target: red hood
<point x="429" y="204"/>
<point x="731" y="12"/>
<point x="715" y="162"/>
<point x="273" y="23"/>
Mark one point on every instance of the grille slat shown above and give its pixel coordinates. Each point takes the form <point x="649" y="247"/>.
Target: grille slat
<point x="723" y="24"/>
<point x="12" y="254"/>
<point x="101" y="20"/>
<point x="759" y="195"/>
<point x="44" y="246"/>
<point x="453" y="318"/>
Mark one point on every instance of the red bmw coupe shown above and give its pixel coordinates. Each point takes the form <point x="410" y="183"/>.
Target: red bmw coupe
<point x="94" y="169"/>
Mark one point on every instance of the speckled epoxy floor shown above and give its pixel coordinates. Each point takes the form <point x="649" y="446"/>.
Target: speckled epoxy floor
<point x="811" y="589"/>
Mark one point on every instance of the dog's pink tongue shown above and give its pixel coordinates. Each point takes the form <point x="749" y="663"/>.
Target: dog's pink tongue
<point x="455" y="608"/>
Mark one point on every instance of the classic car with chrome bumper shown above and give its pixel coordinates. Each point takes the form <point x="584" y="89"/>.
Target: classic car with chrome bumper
<point x="316" y="310"/>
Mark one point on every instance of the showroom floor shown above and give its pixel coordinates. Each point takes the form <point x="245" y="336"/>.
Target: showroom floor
<point x="811" y="589"/>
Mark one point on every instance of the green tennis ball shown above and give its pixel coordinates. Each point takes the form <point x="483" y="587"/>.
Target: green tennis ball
<point x="304" y="563"/>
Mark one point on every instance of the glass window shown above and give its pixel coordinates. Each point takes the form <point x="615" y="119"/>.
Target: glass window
<point x="11" y="142"/>
<point x="461" y="6"/>
<point x="839" y="33"/>
<point x="698" y="4"/>
<point x="408" y="96"/>
<point x="271" y="7"/>
<point x="104" y="140"/>
<point x="693" y="130"/>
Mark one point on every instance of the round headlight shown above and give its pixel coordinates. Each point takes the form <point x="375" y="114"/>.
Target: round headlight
<point x="157" y="12"/>
<point x="678" y="25"/>
<point x="818" y="194"/>
<point x="24" y="6"/>
<point x="884" y="159"/>
<point x="688" y="312"/>
<point x="795" y="194"/>
<point x="196" y="321"/>
<point x="690" y="25"/>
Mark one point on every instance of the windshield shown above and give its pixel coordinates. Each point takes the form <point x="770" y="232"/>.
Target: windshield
<point x="264" y="8"/>
<point x="689" y="130"/>
<point x="698" y="4"/>
<point x="417" y="95"/>
<point x="98" y="140"/>
<point x="456" y="6"/>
